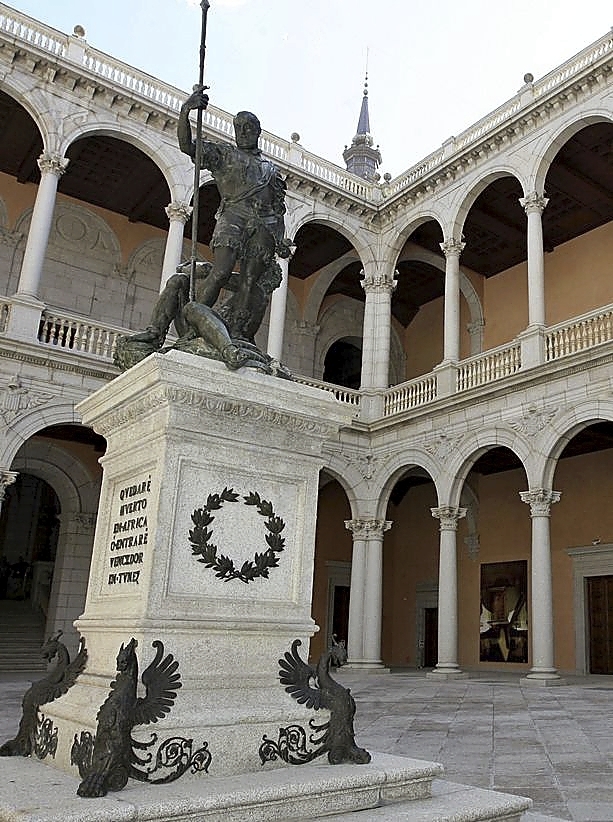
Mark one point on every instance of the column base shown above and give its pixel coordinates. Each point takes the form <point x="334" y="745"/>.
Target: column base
<point x="441" y="672"/>
<point x="24" y="318"/>
<point x="542" y="679"/>
<point x="367" y="665"/>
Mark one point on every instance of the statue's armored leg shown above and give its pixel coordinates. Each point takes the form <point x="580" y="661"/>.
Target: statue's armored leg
<point x="167" y="307"/>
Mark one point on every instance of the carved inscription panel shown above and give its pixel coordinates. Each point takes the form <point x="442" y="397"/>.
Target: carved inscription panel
<point x="129" y="537"/>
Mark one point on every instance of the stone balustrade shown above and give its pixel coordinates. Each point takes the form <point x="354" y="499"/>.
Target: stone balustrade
<point x="78" y="334"/>
<point x="410" y="395"/>
<point x="583" y="332"/>
<point x="489" y="367"/>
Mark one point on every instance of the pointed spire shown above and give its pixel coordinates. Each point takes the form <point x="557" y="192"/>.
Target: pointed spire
<point x="364" y="121"/>
<point x="361" y="158"/>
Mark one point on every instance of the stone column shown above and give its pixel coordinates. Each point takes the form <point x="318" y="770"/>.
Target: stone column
<point x="52" y="166"/>
<point x="378" y="287"/>
<point x="447" y="666"/>
<point x="304" y="352"/>
<point x="543" y="671"/>
<point x="452" y="249"/>
<point x="71" y="574"/>
<point x="366" y="595"/>
<point x="534" y="205"/>
<point x="6" y="478"/>
<point x="278" y="306"/>
<point x="178" y="215"/>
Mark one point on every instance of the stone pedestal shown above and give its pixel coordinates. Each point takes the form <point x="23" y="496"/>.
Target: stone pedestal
<point x="186" y="435"/>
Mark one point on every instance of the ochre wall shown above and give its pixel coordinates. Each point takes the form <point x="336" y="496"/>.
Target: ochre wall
<point x="410" y="558"/>
<point x="333" y="542"/>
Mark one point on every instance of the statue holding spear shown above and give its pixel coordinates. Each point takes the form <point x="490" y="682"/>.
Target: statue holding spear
<point x="250" y="232"/>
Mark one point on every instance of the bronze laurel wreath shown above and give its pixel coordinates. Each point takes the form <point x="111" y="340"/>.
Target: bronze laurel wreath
<point x="202" y="547"/>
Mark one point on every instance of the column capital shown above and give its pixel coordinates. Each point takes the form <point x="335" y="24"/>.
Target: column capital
<point x="540" y="500"/>
<point x="449" y="516"/>
<point x="452" y="247"/>
<point x="52" y="163"/>
<point x="367" y="528"/>
<point x="534" y="203"/>
<point x="379" y="281"/>
<point x="179" y="211"/>
<point x="6" y="478"/>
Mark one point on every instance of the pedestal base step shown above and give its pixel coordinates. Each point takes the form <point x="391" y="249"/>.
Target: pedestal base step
<point x="449" y="802"/>
<point x="389" y="788"/>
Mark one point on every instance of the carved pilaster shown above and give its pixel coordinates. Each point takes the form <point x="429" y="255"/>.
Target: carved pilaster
<point x="179" y="211"/>
<point x="6" y="478"/>
<point x="52" y="164"/>
<point x="534" y="203"/>
<point x="452" y="247"/>
<point x="449" y="516"/>
<point x="368" y="528"/>
<point x="540" y="500"/>
<point x="379" y="282"/>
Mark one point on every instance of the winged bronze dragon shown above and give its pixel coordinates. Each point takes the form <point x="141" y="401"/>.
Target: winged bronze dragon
<point x="56" y="683"/>
<point x="112" y="759"/>
<point x="315" y="688"/>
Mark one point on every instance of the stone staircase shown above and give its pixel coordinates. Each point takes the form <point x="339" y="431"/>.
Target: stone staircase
<point x="21" y="636"/>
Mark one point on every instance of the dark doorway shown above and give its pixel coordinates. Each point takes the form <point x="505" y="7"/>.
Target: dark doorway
<point x="430" y="637"/>
<point x="340" y="612"/>
<point x="600" y="620"/>
<point x="343" y="364"/>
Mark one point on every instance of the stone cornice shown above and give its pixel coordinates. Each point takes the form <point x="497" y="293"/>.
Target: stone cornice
<point x="50" y="361"/>
<point x="223" y="407"/>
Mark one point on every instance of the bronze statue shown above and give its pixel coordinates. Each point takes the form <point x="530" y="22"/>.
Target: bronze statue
<point x="250" y="231"/>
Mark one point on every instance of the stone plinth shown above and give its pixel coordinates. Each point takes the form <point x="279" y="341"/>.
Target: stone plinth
<point x="180" y="430"/>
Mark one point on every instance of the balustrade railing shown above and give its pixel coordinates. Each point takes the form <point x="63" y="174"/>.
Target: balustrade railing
<point x="410" y="395"/>
<point x="582" y="333"/>
<point x="489" y="367"/>
<point x="78" y="334"/>
<point x="346" y="395"/>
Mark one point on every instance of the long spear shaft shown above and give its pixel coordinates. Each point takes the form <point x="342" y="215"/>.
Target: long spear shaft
<point x="196" y="198"/>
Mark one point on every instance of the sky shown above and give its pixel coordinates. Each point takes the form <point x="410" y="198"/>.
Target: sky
<point x="434" y="68"/>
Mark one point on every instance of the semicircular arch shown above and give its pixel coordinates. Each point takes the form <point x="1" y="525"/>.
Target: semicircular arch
<point x="164" y="157"/>
<point x="562" y="430"/>
<point x="559" y="137"/>
<point x="467" y="197"/>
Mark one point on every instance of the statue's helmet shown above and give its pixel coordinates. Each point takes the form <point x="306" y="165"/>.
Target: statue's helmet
<point x="247" y="116"/>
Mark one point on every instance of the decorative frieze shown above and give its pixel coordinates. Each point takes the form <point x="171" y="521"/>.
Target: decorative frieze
<point x="217" y="406"/>
<point x="15" y="399"/>
<point x="533" y="421"/>
<point x="442" y="446"/>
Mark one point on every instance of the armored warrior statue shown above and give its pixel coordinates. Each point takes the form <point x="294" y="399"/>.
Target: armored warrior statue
<point x="250" y="232"/>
